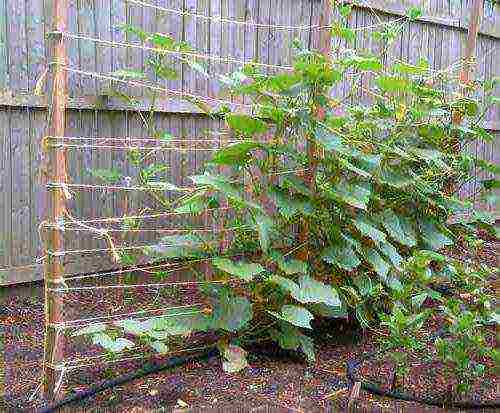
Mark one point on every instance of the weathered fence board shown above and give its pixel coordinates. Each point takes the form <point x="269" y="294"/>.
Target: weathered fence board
<point x="24" y="25"/>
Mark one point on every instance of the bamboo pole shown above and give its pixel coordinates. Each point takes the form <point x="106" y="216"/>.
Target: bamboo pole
<point x="322" y="42"/>
<point x="55" y="171"/>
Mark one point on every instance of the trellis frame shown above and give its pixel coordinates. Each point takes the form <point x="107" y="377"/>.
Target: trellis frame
<point x="55" y="171"/>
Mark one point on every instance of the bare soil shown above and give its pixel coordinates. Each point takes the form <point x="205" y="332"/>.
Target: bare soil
<point x="274" y="381"/>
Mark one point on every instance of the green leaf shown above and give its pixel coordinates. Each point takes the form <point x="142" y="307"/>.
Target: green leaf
<point x="309" y="290"/>
<point x="414" y="13"/>
<point x="236" y="154"/>
<point x="181" y="323"/>
<point x="193" y="205"/>
<point x="392" y="253"/>
<point x="313" y="291"/>
<point x="293" y="314"/>
<point x="290" y="205"/>
<point x="329" y="311"/>
<point x="264" y="225"/>
<point x="431" y="235"/>
<point x="418" y="300"/>
<point x="307" y="347"/>
<point x="245" y="125"/>
<point x="392" y="84"/>
<point x="399" y="228"/>
<point x="129" y="74"/>
<point x="131" y="326"/>
<point x="90" y="329"/>
<point x="368" y="230"/>
<point x="378" y="263"/>
<point x="178" y="246"/>
<point x="285" y="283"/>
<point x="198" y="67"/>
<point x="328" y="139"/>
<point x="364" y="284"/>
<point x="114" y="346"/>
<point x="231" y="313"/>
<point x="243" y="270"/>
<point x="290" y="266"/>
<point x="355" y="195"/>
<point x="406" y="68"/>
<point x="163" y="41"/>
<point x="222" y="184"/>
<point x="341" y="256"/>
<point x="159" y="346"/>
<point x="345" y="10"/>
<point x="366" y="63"/>
<point x="296" y="183"/>
<point x="110" y="176"/>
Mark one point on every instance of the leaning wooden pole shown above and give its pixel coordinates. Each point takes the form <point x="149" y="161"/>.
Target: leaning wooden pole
<point x="55" y="172"/>
<point x="321" y="40"/>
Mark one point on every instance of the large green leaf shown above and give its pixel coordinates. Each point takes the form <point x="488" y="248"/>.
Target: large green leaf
<point x="245" y="125"/>
<point x="241" y="269"/>
<point x="90" y="329"/>
<point x="378" y="263"/>
<point x="293" y="314"/>
<point x="313" y="291"/>
<point x="355" y="195"/>
<point x="231" y="313"/>
<point x="399" y="228"/>
<point x="392" y="84"/>
<point x="309" y="290"/>
<point x="341" y="256"/>
<point x="264" y="225"/>
<point x="181" y="322"/>
<point x="291" y="338"/>
<point x="179" y="246"/>
<point x="193" y="205"/>
<point x="113" y="345"/>
<point x="328" y="139"/>
<point x="132" y="326"/>
<point x="432" y="236"/>
<point x="392" y="253"/>
<point x="297" y="184"/>
<point x="236" y="154"/>
<point x="290" y="266"/>
<point x="368" y="229"/>
<point x="222" y="184"/>
<point x="289" y="205"/>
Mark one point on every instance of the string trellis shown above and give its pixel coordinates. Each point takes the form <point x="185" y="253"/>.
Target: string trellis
<point x="113" y="229"/>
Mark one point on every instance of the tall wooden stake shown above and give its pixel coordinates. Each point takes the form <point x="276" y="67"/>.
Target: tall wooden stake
<point x="322" y="42"/>
<point x="470" y="48"/>
<point x="465" y="73"/>
<point x="55" y="172"/>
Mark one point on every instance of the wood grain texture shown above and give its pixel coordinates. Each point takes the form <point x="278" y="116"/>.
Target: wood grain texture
<point x="438" y="35"/>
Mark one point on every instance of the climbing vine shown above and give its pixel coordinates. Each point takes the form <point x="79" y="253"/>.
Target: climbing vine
<point x="356" y="228"/>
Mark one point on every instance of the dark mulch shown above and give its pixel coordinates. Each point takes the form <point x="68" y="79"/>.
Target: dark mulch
<point x="273" y="382"/>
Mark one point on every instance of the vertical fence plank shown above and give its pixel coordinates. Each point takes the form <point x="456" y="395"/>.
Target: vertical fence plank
<point x="18" y="56"/>
<point x="6" y="170"/>
<point x="4" y="46"/>
<point x="19" y="148"/>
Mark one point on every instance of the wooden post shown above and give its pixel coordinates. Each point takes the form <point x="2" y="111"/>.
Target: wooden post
<point x="322" y="42"/>
<point x="470" y="48"/>
<point x="465" y="74"/>
<point x="55" y="172"/>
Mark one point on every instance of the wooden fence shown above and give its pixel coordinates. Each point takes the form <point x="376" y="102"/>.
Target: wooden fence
<point x="24" y="25"/>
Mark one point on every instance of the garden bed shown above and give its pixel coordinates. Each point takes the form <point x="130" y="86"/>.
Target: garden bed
<point x="274" y="381"/>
